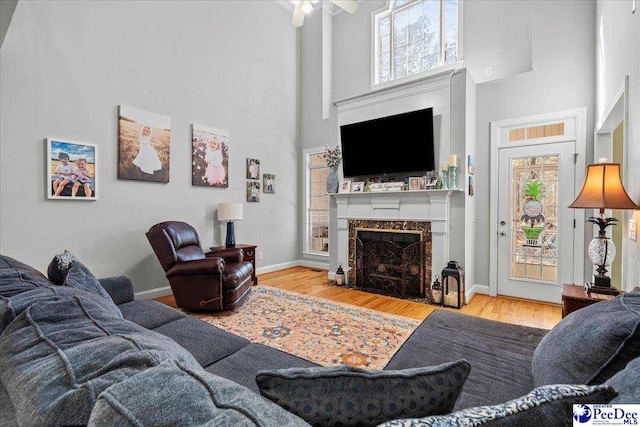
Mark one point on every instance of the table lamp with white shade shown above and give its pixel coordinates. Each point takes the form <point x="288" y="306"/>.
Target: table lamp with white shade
<point x="602" y="190"/>
<point x="230" y="212"/>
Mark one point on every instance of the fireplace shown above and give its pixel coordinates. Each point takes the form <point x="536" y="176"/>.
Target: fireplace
<point x="390" y="257"/>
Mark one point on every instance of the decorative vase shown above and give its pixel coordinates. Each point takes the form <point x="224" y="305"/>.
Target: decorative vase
<point x="332" y="180"/>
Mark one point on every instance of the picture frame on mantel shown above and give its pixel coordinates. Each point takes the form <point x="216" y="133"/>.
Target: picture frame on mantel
<point x="357" y="187"/>
<point x="345" y="186"/>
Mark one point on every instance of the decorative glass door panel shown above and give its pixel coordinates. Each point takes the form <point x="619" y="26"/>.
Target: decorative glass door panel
<point x="534" y="222"/>
<point x="535" y="230"/>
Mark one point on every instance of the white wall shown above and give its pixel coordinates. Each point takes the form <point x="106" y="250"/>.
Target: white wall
<point x="617" y="55"/>
<point x="66" y="66"/>
<point x="563" y="77"/>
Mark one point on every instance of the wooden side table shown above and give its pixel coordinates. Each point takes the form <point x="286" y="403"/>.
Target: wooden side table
<point x="249" y="255"/>
<point x="574" y="297"/>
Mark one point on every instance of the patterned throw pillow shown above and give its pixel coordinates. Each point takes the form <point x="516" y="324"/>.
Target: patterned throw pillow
<point x="348" y="396"/>
<point x="59" y="266"/>
<point x="550" y="405"/>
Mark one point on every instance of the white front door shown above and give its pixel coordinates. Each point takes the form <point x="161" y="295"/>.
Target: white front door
<point x="535" y="225"/>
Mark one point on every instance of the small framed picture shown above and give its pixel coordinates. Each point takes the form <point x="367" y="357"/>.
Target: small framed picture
<point x="414" y="183"/>
<point x="345" y="186"/>
<point x="71" y="170"/>
<point x="357" y="187"/>
<point x="253" y="169"/>
<point x="422" y="184"/>
<point x="373" y="180"/>
<point x="268" y="183"/>
<point x="253" y="191"/>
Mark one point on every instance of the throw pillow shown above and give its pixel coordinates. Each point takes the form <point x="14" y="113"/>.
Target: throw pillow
<point x="173" y="394"/>
<point x="59" y="266"/>
<point x="550" y="405"/>
<point x="79" y="277"/>
<point x="590" y="345"/>
<point x="349" y="396"/>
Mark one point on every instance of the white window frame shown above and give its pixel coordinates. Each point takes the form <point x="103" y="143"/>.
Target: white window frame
<point x="375" y="46"/>
<point x="307" y="204"/>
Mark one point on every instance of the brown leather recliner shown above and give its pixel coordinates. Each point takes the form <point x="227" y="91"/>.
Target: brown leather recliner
<point x="198" y="282"/>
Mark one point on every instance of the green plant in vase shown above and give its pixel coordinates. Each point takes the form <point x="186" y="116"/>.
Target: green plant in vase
<point x="532" y="194"/>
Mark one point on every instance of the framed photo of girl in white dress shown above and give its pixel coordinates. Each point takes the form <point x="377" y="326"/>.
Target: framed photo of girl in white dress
<point x="143" y="145"/>
<point x="210" y="157"/>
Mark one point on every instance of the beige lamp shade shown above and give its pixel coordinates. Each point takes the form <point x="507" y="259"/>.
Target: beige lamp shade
<point x="603" y="189"/>
<point x="230" y="211"/>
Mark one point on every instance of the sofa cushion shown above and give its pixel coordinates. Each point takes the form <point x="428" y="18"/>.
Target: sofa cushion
<point x="627" y="383"/>
<point x="349" y="396"/>
<point x="194" y="398"/>
<point x="205" y="342"/>
<point x="28" y="272"/>
<point x="550" y="405"/>
<point x="243" y="365"/>
<point x="79" y="277"/>
<point x="8" y="414"/>
<point x="500" y="354"/>
<point x="591" y="344"/>
<point x="59" y="266"/>
<point x="11" y="307"/>
<point x="149" y="313"/>
<point x="56" y="357"/>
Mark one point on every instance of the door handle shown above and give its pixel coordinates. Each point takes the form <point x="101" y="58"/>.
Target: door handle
<point x="502" y="233"/>
<point x="502" y="223"/>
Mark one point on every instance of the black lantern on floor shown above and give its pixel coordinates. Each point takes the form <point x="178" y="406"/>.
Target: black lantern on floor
<point x="453" y="285"/>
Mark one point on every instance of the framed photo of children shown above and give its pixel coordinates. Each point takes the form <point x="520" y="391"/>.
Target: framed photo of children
<point x="71" y="170"/>
<point x="253" y="169"/>
<point x="268" y="183"/>
<point x="209" y="157"/>
<point x="253" y="191"/>
<point x="143" y="145"/>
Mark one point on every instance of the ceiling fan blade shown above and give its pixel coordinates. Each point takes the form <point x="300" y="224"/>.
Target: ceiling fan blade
<point x="348" y="5"/>
<point x="298" y="15"/>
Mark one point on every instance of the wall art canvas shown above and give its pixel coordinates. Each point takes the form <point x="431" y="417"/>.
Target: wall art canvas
<point x="268" y="183"/>
<point x="253" y="191"/>
<point x="143" y="145"/>
<point x="209" y="157"/>
<point x="253" y="169"/>
<point x="71" y="170"/>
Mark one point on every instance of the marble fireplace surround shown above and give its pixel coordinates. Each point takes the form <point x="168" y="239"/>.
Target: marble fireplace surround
<point x="403" y="209"/>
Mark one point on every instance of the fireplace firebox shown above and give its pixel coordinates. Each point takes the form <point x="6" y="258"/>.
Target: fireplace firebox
<point x="390" y="257"/>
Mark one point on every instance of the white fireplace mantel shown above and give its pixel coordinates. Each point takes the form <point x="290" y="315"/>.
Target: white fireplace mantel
<point x="426" y="205"/>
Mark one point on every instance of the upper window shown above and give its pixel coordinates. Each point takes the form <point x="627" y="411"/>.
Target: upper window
<point x="415" y="36"/>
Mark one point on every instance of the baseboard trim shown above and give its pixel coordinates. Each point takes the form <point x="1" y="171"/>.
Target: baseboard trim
<point x="166" y="290"/>
<point x="153" y="293"/>
<point x="476" y="289"/>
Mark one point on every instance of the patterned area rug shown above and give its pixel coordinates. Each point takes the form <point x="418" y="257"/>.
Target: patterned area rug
<point x="321" y="331"/>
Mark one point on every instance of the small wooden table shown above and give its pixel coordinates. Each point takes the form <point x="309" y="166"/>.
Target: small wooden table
<point x="574" y="297"/>
<point x="249" y="255"/>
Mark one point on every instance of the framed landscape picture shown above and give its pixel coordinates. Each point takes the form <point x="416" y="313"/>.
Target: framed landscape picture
<point x="143" y="145"/>
<point x="268" y="183"/>
<point x="209" y="157"/>
<point x="71" y="170"/>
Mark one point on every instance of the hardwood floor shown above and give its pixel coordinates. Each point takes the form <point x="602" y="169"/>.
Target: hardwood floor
<point x="314" y="282"/>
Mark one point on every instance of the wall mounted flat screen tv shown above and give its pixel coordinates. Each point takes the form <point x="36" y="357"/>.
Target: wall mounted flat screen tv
<point x="395" y="144"/>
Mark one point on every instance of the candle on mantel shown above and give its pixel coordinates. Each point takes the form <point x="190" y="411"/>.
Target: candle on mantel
<point x="444" y="167"/>
<point x="453" y="160"/>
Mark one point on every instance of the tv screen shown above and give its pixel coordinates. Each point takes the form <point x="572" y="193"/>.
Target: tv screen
<point x="395" y="144"/>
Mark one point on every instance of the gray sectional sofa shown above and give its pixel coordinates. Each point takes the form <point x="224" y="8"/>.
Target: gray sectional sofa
<point x="66" y="358"/>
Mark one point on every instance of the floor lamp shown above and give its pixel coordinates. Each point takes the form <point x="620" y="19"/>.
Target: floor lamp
<point x="230" y="212"/>
<point x="602" y="190"/>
